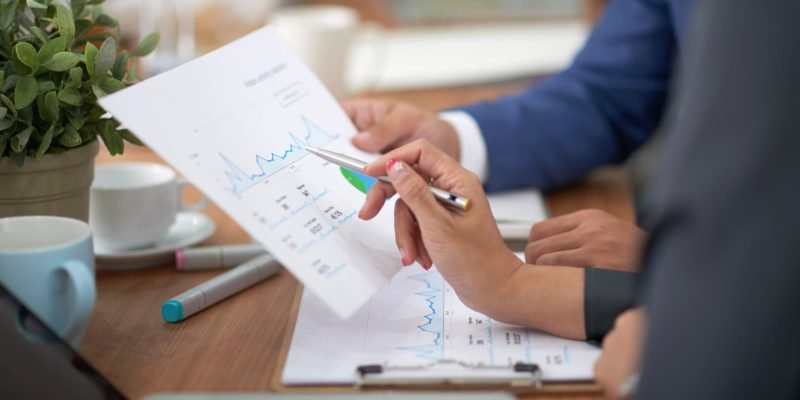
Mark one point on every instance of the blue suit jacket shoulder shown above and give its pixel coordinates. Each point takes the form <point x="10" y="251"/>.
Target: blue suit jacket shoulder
<point x="597" y="111"/>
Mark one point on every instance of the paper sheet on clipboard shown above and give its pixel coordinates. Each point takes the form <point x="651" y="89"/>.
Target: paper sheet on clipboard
<point x="415" y="320"/>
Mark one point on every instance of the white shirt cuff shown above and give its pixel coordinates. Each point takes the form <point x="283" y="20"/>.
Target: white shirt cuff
<point x="473" y="148"/>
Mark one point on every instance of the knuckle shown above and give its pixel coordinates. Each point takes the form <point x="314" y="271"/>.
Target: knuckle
<point x="416" y="190"/>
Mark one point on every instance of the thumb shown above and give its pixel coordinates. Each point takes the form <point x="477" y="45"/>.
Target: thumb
<point x="414" y="191"/>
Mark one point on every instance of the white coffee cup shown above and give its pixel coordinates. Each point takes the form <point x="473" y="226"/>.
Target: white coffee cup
<point x="48" y="263"/>
<point x="133" y="205"/>
<point x="321" y="35"/>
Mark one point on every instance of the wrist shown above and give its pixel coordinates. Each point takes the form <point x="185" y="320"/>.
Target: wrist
<point x="490" y="295"/>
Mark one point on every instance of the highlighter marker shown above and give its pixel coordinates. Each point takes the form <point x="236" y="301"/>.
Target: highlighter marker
<point x="211" y="257"/>
<point x="219" y="288"/>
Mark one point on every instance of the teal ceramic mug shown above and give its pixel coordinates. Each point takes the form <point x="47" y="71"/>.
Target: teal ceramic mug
<point x="48" y="263"/>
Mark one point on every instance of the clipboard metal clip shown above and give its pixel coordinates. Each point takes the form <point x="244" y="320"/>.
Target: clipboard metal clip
<point x="450" y="373"/>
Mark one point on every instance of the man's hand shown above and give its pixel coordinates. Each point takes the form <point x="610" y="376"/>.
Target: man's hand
<point x="586" y="238"/>
<point x="619" y="362"/>
<point x="385" y="125"/>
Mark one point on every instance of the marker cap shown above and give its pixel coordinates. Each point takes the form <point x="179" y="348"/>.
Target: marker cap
<point x="172" y="311"/>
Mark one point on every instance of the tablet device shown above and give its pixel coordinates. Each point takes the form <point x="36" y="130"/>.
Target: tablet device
<point x="37" y="364"/>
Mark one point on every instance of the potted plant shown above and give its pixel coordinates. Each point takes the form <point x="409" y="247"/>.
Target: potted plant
<point x="56" y="60"/>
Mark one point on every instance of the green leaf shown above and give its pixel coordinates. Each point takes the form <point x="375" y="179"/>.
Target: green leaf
<point x="26" y="114"/>
<point x="39" y="33"/>
<point x="52" y="47"/>
<point x="27" y="54"/>
<point x="95" y="2"/>
<point x="8" y="104"/>
<point x="24" y="21"/>
<point x="41" y="108"/>
<point x="20" y="140"/>
<point x="45" y="143"/>
<point x="85" y="14"/>
<point x="5" y="123"/>
<point x="62" y="61"/>
<point x="65" y="22"/>
<point x="130" y="137"/>
<point x="83" y="25"/>
<point x="132" y="75"/>
<point x="98" y="36"/>
<point x="111" y="138"/>
<point x="46" y="86"/>
<point x="147" y="45"/>
<point x="70" y="96"/>
<point x="106" y="20"/>
<point x="98" y="91"/>
<point x="19" y="67"/>
<point x="51" y="106"/>
<point x="3" y="112"/>
<point x="3" y="142"/>
<point x="70" y="138"/>
<point x="120" y="65"/>
<point x="111" y="85"/>
<point x="76" y="118"/>
<point x="25" y="92"/>
<point x="8" y="13"/>
<point x="36" y="4"/>
<point x="90" y="52"/>
<point x="78" y="5"/>
<point x="2" y="77"/>
<point x="76" y="76"/>
<point x="9" y="83"/>
<point x="104" y="60"/>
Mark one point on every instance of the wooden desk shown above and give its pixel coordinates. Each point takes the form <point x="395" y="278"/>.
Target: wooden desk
<point x="236" y="345"/>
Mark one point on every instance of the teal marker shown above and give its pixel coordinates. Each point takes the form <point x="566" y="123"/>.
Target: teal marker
<point x="221" y="287"/>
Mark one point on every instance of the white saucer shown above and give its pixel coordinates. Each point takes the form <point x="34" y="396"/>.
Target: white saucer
<point x="189" y="229"/>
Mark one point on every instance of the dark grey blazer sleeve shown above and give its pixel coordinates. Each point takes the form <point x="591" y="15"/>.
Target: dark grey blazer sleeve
<point x="607" y="293"/>
<point x="723" y="264"/>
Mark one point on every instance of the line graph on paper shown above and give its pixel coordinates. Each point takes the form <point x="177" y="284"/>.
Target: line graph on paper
<point x="272" y="161"/>
<point x="433" y="324"/>
<point x="432" y="293"/>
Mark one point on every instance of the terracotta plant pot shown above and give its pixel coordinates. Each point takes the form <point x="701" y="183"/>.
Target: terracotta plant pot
<point x="58" y="184"/>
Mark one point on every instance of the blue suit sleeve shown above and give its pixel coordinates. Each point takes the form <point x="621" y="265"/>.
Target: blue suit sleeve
<point x="595" y="112"/>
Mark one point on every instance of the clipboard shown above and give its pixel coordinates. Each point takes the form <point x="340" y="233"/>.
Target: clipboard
<point x="449" y="373"/>
<point x="546" y="388"/>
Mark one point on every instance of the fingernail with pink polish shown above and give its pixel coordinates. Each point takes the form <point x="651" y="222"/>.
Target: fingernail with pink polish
<point x="395" y="168"/>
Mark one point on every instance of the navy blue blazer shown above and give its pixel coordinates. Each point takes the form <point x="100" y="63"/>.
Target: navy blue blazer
<point x="597" y="111"/>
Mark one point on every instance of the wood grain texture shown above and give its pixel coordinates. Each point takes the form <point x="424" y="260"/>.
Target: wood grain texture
<point x="241" y="343"/>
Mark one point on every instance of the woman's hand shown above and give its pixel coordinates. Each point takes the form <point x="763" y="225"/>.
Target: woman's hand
<point x="466" y="246"/>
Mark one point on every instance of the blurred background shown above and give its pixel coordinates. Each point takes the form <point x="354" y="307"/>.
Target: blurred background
<point x="398" y="44"/>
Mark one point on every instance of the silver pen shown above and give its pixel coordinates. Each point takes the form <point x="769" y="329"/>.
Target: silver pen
<point x="354" y="164"/>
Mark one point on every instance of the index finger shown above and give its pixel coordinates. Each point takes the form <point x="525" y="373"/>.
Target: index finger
<point x="430" y="161"/>
<point x="553" y="226"/>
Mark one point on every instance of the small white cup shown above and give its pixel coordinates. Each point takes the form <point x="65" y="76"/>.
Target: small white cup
<point x="321" y="35"/>
<point x="134" y="204"/>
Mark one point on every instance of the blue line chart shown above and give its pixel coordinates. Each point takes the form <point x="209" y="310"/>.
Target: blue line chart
<point x="433" y="294"/>
<point x="239" y="180"/>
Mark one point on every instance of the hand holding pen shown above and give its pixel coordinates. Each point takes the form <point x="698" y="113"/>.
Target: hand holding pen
<point x="465" y="246"/>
